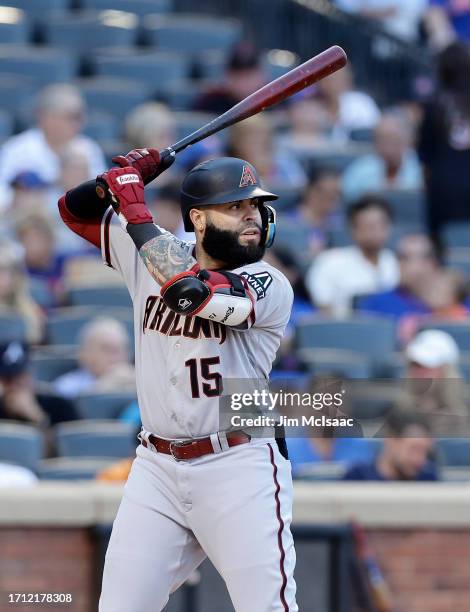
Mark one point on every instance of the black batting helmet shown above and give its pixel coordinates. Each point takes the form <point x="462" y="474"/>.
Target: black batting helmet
<point x="222" y="180"/>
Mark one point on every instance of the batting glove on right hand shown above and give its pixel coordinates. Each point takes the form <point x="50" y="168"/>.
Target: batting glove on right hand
<point x="148" y="162"/>
<point x="124" y="189"/>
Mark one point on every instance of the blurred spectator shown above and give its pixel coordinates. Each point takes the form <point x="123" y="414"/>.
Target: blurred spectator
<point x="14" y="291"/>
<point x="446" y="20"/>
<point x="405" y="455"/>
<point x="44" y="263"/>
<point x="443" y="293"/>
<point x="346" y="109"/>
<point x="252" y="139"/>
<point x="417" y="259"/>
<point x="21" y="399"/>
<point x="306" y="125"/>
<point x="244" y="74"/>
<point x="16" y="476"/>
<point x="319" y="209"/>
<point x="337" y="275"/>
<point x="393" y="164"/>
<point x="104" y="361"/>
<point x="433" y="382"/>
<point x="29" y="192"/>
<point x="444" y="141"/>
<point x="60" y="114"/>
<point x="307" y="452"/>
<point x="398" y="17"/>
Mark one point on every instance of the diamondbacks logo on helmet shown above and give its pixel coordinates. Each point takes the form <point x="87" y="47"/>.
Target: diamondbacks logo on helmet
<point x="248" y="177"/>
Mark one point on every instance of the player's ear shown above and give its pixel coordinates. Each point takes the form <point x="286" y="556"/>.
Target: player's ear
<point x="198" y="218"/>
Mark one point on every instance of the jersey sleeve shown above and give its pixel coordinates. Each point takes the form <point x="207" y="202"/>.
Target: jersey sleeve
<point x="272" y="295"/>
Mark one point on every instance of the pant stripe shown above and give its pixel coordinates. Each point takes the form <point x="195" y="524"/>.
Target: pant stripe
<point x="280" y="530"/>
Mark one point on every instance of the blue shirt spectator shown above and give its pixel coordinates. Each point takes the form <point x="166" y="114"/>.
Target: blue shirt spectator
<point x="370" y="471"/>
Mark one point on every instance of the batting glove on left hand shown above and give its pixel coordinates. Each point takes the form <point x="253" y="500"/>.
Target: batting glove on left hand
<point x="147" y="162"/>
<point x="124" y="189"/>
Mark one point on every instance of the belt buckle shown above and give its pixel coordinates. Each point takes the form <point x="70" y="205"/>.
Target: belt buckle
<point x="178" y="444"/>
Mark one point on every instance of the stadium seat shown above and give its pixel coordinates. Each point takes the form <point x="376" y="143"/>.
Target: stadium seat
<point x="458" y="258"/>
<point x="454" y="452"/>
<point x="14" y="25"/>
<point x="190" y="121"/>
<point x="16" y="91"/>
<point x="139" y="7"/>
<point x="113" y="95"/>
<point x="20" y="444"/>
<point x="149" y="66"/>
<point x="71" y="469"/>
<point x="460" y="331"/>
<point x="101" y="125"/>
<point x="372" y="400"/>
<point x="340" y="160"/>
<point x="42" y="65"/>
<point x="89" y="30"/>
<point x="373" y="336"/>
<point x="408" y="206"/>
<point x="362" y="135"/>
<point x="39" y="8"/>
<point x="350" y="364"/>
<point x="456" y="234"/>
<point x="181" y="95"/>
<point x="63" y="324"/>
<point x="191" y="33"/>
<point x="103" y="405"/>
<point x="6" y="125"/>
<point x="47" y="368"/>
<point x="99" y="296"/>
<point x="211" y="64"/>
<point x="94" y="438"/>
<point x="326" y="470"/>
<point x="288" y="198"/>
<point x="12" y="326"/>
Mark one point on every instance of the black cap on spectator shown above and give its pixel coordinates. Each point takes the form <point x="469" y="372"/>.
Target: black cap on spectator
<point x="243" y="57"/>
<point x="13" y="358"/>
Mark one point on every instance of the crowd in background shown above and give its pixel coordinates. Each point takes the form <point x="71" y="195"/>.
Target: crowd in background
<point x="358" y="255"/>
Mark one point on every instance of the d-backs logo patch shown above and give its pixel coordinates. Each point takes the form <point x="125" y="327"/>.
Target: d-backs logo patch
<point x="248" y="177"/>
<point x="259" y="281"/>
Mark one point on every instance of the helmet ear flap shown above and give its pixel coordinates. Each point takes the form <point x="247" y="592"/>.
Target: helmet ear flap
<point x="268" y="217"/>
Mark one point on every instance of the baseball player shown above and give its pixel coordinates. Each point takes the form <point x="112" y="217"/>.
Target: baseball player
<point x="203" y="313"/>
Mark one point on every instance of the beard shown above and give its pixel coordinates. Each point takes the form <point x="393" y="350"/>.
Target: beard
<point x="223" y="245"/>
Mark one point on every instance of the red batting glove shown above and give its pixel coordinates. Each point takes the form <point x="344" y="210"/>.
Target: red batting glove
<point x="148" y="162"/>
<point x="125" y="190"/>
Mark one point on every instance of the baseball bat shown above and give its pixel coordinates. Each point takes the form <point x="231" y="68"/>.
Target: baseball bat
<point x="308" y="73"/>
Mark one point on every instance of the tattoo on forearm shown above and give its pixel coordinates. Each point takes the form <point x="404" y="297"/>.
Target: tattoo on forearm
<point x="165" y="256"/>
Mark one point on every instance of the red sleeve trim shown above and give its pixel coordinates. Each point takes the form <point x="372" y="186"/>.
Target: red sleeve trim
<point x="89" y="230"/>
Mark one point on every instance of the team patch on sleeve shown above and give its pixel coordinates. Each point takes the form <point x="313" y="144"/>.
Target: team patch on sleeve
<point x="260" y="281"/>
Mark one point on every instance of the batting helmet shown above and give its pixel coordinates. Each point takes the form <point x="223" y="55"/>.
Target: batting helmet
<point x="227" y="179"/>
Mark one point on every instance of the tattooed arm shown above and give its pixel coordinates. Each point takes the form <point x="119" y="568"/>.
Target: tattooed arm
<point x="165" y="256"/>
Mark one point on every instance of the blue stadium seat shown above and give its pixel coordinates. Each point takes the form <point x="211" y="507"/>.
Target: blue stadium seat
<point x="191" y="33"/>
<point x="458" y="258"/>
<point x="373" y="336"/>
<point x="190" y="121"/>
<point x="350" y="364"/>
<point x="454" y="451"/>
<point x="372" y="400"/>
<point x="460" y="331"/>
<point x="139" y="7"/>
<point x="151" y="67"/>
<point x="20" y="444"/>
<point x="105" y="438"/>
<point x="340" y="160"/>
<point x="181" y="95"/>
<point x="15" y="92"/>
<point x="42" y="65"/>
<point x="408" y="206"/>
<point x="6" y="125"/>
<point x="89" y="30"/>
<point x="12" y="326"/>
<point x="14" y="25"/>
<point x="47" y="368"/>
<point x="71" y="468"/>
<point x="39" y="8"/>
<point x="288" y="198"/>
<point x="99" y="296"/>
<point x="456" y="234"/>
<point x="102" y="125"/>
<point x="211" y="64"/>
<point x="64" y="324"/>
<point x="113" y="95"/>
<point x="103" y="405"/>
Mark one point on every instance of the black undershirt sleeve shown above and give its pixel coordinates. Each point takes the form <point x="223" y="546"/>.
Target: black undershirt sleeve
<point x="83" y="202"/>
<point x="142" y="233"/>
